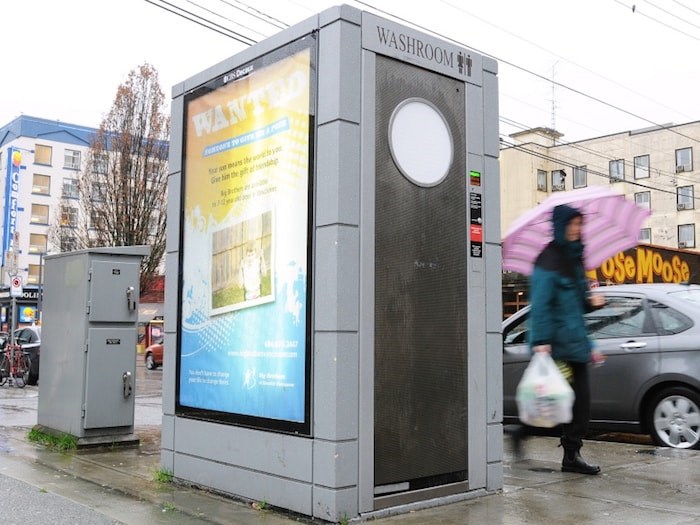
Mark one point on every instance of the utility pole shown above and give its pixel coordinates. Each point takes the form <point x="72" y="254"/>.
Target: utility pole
<point x="12" y="272"/>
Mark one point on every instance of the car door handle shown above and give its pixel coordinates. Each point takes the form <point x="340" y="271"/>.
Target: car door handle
<point x="633" y="345"/>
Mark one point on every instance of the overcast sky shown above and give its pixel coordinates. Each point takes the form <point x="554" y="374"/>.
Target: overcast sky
<point x="615" y="69"/>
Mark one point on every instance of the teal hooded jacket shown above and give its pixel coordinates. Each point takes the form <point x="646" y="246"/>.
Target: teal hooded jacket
<point x="559" y="294"/>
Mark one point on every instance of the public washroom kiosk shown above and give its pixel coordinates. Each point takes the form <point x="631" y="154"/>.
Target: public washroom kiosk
<point x="330" y="344"/>
<point x="87" y="370"/>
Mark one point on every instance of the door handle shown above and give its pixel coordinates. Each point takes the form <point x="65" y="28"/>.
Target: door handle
<point x="126" y="384"/>
<point x="130" y="299"/>
<point x="633" y="345"/>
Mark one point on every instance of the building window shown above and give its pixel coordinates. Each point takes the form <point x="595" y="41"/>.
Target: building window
<point x="643" y="199"/>
<point x="558" y="178"/>
<point x="580" y="177"/>
<point x="68" y="243"/>
<point x="33" y="274"/>
<point x="96" y="192"/>
<point x="541" y="180"/>
<point x="41" y="184"/>
<point x="40" y="214"/>
<point x="37" y="243"/>
<point x="617" y="170"/>
<point x="70" y="188"/>
<point x="645" y="235"/>
<point x="684" y="198"/>
<point x="96" y="220"/>
<point x="101" y="163"/>
<point x="641" y="167"/>
<point x="686" y="236"/>
<point x="69" y="217"/>
<point x="71" y="159"/>
<point x="684" y="160"/>
<point x="42" y="154"/>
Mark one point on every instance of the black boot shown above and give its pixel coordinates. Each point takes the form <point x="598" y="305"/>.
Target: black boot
<point x="573" y="462"/>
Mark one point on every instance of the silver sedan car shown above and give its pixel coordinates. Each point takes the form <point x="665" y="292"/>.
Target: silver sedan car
<point x="650" y="381"/>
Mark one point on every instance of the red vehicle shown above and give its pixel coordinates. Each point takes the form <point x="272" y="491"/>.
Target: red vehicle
<point x="154" y="355"/>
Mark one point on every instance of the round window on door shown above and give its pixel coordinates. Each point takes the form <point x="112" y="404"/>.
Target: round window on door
<point x="420" y="142"/>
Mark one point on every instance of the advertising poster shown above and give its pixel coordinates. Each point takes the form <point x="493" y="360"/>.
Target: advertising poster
<point x="243" y="339"/>
<point x="26" y="313"/>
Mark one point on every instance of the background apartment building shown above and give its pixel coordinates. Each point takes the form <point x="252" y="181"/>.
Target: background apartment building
<point x="652" y="166"/>
<point x="50" y="156"/>
<point x="40" y="164"/>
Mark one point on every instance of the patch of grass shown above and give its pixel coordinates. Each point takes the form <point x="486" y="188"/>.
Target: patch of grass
<point x="162" y="475"/>
<point x="62" y="443"/>
<point x="260" y="505"/>
<point x="344" y="520"/>
<point x="236" y="295"/>
<point x="169" y="507"/>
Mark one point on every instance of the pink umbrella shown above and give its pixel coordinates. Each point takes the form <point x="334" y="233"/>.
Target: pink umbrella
<point x="611" y="224"/>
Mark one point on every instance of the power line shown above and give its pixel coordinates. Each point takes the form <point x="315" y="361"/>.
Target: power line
<point x="660" y="126"/>
<point x="256" y="13"/>
<point x="577" y="146"/>
<point x="206" y="9"/>
<point x="519" y="37"/>
<point x="525" y="70"/>
<point x="671" y="14"/>
<point x="222" y="31"/>
<point x="686" y="7"/>
<point x="549" y="158"/>
<point x="636" y="10"/>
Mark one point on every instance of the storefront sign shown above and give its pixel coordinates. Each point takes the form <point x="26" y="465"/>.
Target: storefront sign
<point x="649" y="264"/>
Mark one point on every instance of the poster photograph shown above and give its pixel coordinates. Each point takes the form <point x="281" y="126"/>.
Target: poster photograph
<point x="243" y="312"/>
<point x="242" y="257"/>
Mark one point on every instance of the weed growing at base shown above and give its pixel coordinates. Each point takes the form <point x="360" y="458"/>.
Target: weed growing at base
<point x="62" y="443"/>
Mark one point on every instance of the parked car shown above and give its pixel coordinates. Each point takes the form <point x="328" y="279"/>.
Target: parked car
<point x="29" y="338"/>
<point x="650" y="381"/>
<point x="154" y="356"/>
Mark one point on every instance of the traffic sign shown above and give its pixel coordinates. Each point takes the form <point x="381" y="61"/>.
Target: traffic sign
<point x="16" y="286"/>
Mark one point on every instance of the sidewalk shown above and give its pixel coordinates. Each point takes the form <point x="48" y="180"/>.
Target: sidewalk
<point x="639" y="484"/>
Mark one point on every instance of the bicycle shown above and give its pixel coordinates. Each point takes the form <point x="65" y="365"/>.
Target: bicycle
<point x="14" y="366"/>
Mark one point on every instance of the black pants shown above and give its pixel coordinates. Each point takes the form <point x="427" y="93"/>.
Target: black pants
<point x="574" y="432"/>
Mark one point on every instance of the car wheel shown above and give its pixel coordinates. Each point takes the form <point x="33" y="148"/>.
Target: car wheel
<point x="674" y="418"/>
<point x="150" y="363"/>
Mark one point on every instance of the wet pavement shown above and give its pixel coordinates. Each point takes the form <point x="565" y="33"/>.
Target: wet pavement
<point x="640" y="483"/>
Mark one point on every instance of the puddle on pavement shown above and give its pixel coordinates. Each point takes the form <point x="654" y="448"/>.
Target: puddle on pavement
<point x="647" y="452"/>
<point x="5" y="447"/>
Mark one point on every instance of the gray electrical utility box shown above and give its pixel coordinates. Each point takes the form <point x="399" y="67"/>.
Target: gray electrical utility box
<point x="88" y="356"/>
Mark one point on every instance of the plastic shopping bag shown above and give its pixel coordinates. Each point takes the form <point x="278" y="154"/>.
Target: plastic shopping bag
<point x="543" y="396"/>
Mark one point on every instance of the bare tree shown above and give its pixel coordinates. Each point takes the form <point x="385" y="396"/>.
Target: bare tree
<point x="121" y="190"/>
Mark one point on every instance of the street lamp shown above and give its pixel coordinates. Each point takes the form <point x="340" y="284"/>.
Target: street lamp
<point x="517" y="301"/>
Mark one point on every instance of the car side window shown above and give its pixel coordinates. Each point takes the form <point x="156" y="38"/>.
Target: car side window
<point x="21" y="337"/>
<point x="620" y="317"/>
<point x="516" y="334"/>
<point x="669" y="320"/>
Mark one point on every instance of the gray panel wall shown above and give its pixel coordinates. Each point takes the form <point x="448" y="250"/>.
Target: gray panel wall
<point x="336" y="267"/>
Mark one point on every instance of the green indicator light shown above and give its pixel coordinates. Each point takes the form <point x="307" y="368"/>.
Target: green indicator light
<point x="474" y="174"/>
